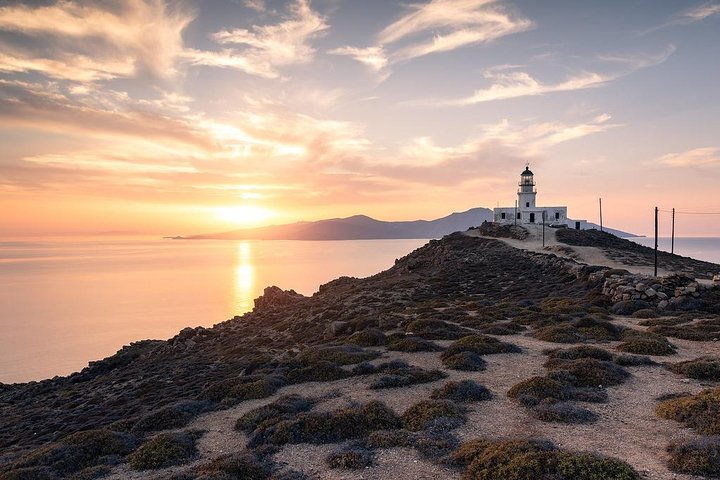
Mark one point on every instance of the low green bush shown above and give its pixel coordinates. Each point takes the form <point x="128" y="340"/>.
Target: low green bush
<point x="74" y="453"/>
<point x="280" y="409"/>
<point x="644" y="343"/>
<point x="582" y="351"/>
<point x="320" y="371"/>
<point x="699" y="412"/>
<point x="696" y="457"/>
<point x="580" y="330"/>
<point x="704" y="368"/>
<point x="243" y="388"/>
<point x="327" y="427"/>
<point x="176" y="415"/>
<point x="420" y="414"/>
<point x="464" y="361"/>
<point x="504" y="328"/>
<point x="244" y="465"/>
<point x="413" y="344"/>
<point x="534" y="390"/>
<point x="399" y="374"/>
<point x="705" y="330"/>
<point x="350" y="457"/>
<point x="370" y="337"/>
<point x="434" y="329"/>
<point x="435" y="445"/>
<point x="589" y="372"/>
<point x="563" y="412"/>
<point x="462" y="391"/>
<point x="342" y="355"/>
<point x="645" y="313"/>
<point x="532" y="460"/>
<point x="164" y="450"/>
<point x="479" y="345"/>
<point x="389" y="439"/>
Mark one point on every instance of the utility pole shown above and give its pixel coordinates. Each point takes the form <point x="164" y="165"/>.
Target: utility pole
<point x="543" y="222"/>
<point x="656" y="240"/>
<point x="601" y="225"/>
<point x="515" y="211"/>
<point x="672" y="241"/>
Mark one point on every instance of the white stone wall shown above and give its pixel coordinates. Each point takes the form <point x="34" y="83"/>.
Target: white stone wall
<point x="550" y="215"/>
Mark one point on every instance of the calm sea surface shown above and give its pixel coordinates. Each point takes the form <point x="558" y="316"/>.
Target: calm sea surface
<point x="702" y="248"/>
<point x="63" y="303"/>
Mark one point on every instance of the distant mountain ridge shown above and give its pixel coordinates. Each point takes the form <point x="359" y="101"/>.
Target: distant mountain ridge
<point x="358" y="227"/>
<point x="361" y="227"/>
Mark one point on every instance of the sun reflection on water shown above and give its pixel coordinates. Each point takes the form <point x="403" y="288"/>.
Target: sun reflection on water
<point x="244" y="279"/>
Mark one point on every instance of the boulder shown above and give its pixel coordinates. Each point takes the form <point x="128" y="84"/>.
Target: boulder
<point x="628" y="307"/>
<point x="688" y="303"/>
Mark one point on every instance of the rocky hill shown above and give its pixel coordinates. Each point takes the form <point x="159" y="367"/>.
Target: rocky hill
<point x="467" y="358"/>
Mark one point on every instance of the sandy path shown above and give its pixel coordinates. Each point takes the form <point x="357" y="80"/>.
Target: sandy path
<point x="587" y="255"/>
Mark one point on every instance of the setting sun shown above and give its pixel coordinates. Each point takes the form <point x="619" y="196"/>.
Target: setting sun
<point x="243" y="215"/>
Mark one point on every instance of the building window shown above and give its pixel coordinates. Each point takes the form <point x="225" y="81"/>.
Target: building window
<point x="502" y="215"/>
<point x="527" y="204"/>
<point x="557" y="215"/>
<point x="519" y="216"/>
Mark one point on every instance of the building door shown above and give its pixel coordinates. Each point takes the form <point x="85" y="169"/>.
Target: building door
<point x="577" y="225"/>
<point x="532" y="218"/>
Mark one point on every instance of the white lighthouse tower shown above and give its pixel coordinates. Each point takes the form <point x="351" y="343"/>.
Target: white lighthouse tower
<point x="527" y="191"/>
<point x="527" y="212"/>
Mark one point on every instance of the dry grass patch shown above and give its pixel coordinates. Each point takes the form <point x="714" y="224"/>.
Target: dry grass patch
<point x="644" y="343"/>
<point x="534" y="459"/>
<point x="462" y="391"/>
<point x="696" y="457"/>
<point x="480" y="345"/>
<point x="700" y="412"/>
<point x="165" y="450"/>
<point x="419" y="415"/>
<point x="704" y="368"/>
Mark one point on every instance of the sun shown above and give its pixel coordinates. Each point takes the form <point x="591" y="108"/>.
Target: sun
<point x="245" y="215"/>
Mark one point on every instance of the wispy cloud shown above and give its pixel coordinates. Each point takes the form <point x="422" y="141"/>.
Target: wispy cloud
<point x="700" y="12"/>
<point x="373" y="57"/>
<point x="113" y="115"/>
<point x="521" y="84"/>
<point x="88" y="40"/>
<point x="453" y="24"/>
<point x="515" y="84"/>
<point x="263" y="49"/>
<point x="691" y="15"/>
<point x="438" y="26"/>
<point x="257" y="5"/>
<point x="706" y="157"/>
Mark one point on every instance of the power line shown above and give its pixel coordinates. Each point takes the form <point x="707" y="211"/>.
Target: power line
<point x="691" y="213"/>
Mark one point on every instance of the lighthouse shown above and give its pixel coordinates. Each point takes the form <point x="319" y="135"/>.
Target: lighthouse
<point x="527" y="191"/>
<point x="527" y="211"/>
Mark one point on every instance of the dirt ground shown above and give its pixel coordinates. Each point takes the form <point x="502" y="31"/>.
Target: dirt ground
<point x="627" y="429"/>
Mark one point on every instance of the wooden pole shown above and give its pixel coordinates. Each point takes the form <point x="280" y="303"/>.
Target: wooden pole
<point x="516" y="212"/>
<point x="601" y="223"/>
<point x="672" y="241"/>
<point x="543" y="221"/>
<point x="656" y="240"/>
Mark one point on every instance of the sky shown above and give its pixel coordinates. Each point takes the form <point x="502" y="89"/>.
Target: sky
<point x="181" y="117"/>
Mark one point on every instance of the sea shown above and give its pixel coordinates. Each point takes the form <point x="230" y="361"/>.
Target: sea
<point x="65" y="302"/>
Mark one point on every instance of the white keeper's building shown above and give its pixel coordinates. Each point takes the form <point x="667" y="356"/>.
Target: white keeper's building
<point x="527" y="212"/>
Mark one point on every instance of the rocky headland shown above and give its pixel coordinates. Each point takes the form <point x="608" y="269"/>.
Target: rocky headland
<point x="483" y="355"/>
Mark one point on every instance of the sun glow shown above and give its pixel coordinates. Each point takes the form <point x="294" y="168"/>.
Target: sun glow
<point x="245" y="215"/>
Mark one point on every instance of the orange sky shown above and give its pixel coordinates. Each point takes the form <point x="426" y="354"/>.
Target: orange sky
<point x="180" y="117"/>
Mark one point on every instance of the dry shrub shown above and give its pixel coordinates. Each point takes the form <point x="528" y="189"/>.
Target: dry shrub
<point x="699" y="412"/>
